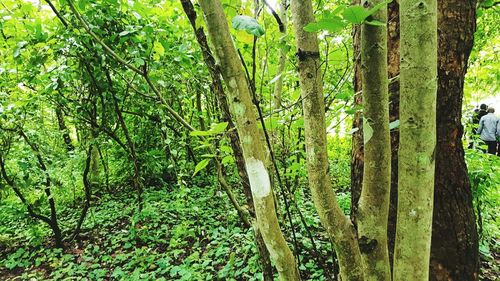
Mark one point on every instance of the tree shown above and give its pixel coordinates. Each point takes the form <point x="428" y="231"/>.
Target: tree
<point x="338" y="227"/>
<point x="254" y="151"/>
<point x="218" y="90"/>
<point x="416" y="156"/>
<point x="375" y="194"/>
<point x="450" y="258"/>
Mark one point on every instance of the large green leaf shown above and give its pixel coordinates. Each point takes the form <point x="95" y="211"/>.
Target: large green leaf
<point x="248" y="24"/>
<point x="358" y="14"/>
<point x="333" y="24"/>
<point x="201" y="165"/>
<point x="216" y="129"/>
<point x="355" y="14"/>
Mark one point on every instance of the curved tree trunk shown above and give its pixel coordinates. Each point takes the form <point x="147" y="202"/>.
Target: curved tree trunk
<point x="338" y="226"/>
<point x="64" y="129"/>
<point x="234" y="138"/>
<point x="254" y="152"/>
<point x="451" y="259"/>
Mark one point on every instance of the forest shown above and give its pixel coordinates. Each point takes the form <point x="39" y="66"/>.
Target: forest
<point x="250" y="140"/>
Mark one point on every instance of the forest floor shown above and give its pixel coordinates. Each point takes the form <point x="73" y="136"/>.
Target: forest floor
<point x="183" y="234"/>
<point x="186" y="234"/>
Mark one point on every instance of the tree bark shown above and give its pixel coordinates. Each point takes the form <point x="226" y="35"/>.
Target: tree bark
<point x="278" y="88"/>
<point x="454" y="253"/>
<point x="451" y="259"/>
<point x="418" y="88"/>
<point x="254" y="151"/>
<point x="375" y="197"/>
<point x="234" y="138"/>
<point x="337" y="225"/>
<point x="64" y="129"/>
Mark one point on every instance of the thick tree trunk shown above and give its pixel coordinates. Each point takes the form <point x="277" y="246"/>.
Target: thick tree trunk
<point x="252" y="144"/>
<point x="454" y="253"/>
<point x="418" y="87"/>
<point x="338" y="227"/>
<point x="451" y="259"/>
<point x="375" y="197"/>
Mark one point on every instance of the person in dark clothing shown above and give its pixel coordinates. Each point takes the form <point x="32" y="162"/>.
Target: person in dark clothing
<point x="476" y="116"/>
<point x="489" y="130"/>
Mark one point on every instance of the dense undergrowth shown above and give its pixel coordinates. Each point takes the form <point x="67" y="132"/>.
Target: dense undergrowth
<point x="484" y="174"/>
<point x="190" y="231"/>
<point x="187" y="229"/>
<point x="188" y="234"/>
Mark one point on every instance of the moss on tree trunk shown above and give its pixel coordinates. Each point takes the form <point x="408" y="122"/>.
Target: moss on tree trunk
<point x="375" y="194"/>
<point x="254" y="151"/>
<point x="338" y="227"/>
<point x="418" y="85"/>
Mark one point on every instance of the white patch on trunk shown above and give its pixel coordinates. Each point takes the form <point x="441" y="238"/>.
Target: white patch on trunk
<point x="247" y="140"/>
<point x="232" y="83"/>
<point x="259" y="178"/>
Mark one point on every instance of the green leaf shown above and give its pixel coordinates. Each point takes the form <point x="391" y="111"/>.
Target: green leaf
<point x="17" y="50"/>
<point x="355" y="14"/>
<point x="394" y="124"/>
<point x="227" y="159"/>
<point x="216" y="129"/>
<point x="367" y="131"/>
<point x="333" y="24"/>
<point x="200" y="133"/>
<point x="375" y="23"/>
<point x="219" y="127"/>
<point x="201" y="165"/>
<point x="248" y="24"/>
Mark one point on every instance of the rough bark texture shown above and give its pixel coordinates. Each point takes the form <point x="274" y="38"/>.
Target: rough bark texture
<point x="454" y="253"/>
<point x="252" y="144"/>
<point x="234" y="137"/>
<point x="451" y="259"/>
<point x="374" y="201"/>
<point x="338" y="227"/>
<point x="418" y="87"/>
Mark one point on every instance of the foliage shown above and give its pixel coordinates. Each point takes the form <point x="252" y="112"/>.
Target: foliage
<point x="53" y="69"/>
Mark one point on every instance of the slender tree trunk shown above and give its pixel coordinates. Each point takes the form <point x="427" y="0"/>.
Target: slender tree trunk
<point x="451" y="259"/>
<point x="130" y="144"/>
<point x="200" y="110"/>
<point x="278" y="90"/>
<point x="337" y="225"/>
<point x="418" y="86"/>
<point x="64" y="129"/>
<point x="53" y="222"/>
<point x="254" y="151"/>
<point x="375" y="195"/>
<point x="88" y="193"/>
<point x="31" y="212"/>
<point x="232" y="133"/>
